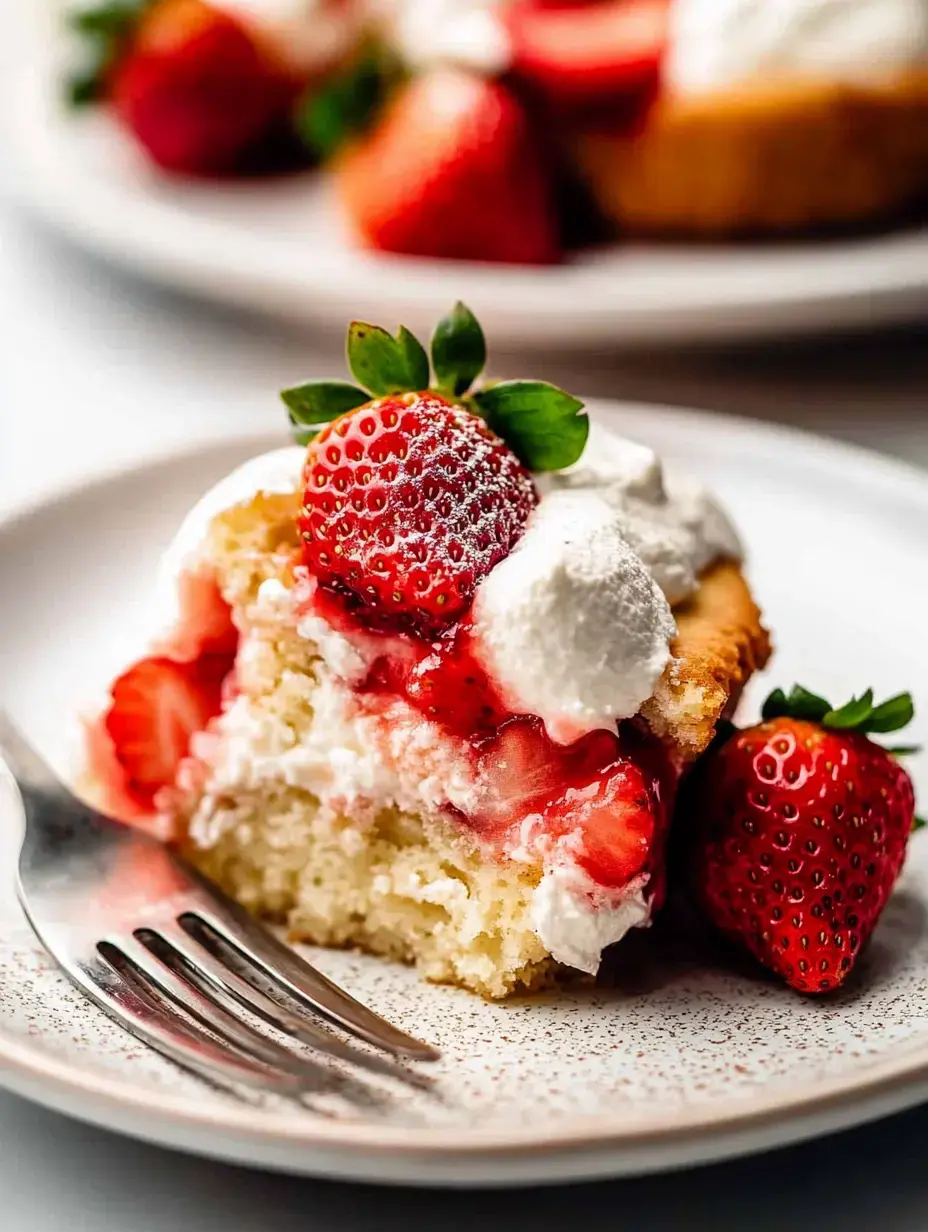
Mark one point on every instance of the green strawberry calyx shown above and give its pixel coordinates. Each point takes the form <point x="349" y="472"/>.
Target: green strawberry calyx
<point x="104" y="30"/>
<point x="348" y="103"/>
<point x="545" y="427"/>
<point x="857" y="715"/>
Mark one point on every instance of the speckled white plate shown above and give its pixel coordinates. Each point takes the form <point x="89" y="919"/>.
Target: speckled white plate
<point x="678" y="1063"/>
<point x="279" y="247"/>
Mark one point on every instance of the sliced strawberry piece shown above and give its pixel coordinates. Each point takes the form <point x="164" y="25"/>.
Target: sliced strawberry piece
<point x="619" y="826"/>
<point x="204" y="625"/>
<point x="453" y="169"/>
<point x="522" y="770"/>
<point x="157" y="706"/>
<point x="445" y="683"/>
<point x="603" y="798"/>
<point x="583" y="55"/>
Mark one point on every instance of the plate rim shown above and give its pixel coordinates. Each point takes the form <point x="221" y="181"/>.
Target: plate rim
<point x="704" y="1132"/>
<point x="882" y="286"/>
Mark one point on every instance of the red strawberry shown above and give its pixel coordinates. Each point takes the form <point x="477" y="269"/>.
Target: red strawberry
<point x="445" y="682"/>
<point x="600" y="790"/>
<point x="579" y="55"/>
<point x="802" y="829"/>
<point x="157" y="706"/>
<point x="204" y="625"/>
<point x="197" y="89"/>
<point x="452" y="169"/>
<point x="408" y="502"/>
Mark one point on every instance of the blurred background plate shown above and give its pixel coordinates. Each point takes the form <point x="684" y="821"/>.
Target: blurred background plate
<point x="277" y="246"/>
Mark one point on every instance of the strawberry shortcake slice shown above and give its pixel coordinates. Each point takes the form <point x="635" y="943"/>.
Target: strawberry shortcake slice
<point x="432" y="675"/>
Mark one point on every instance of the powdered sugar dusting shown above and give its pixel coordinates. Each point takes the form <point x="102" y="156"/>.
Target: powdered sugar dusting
<point x="426" y="499"/>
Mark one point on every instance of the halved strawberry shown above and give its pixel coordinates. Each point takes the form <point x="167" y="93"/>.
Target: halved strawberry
<point x="453" y="169"/>
<point x="157" y="706"/>
<point x="580" y="55"/>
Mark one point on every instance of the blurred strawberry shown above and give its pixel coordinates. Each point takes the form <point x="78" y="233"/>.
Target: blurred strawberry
<point x="198" y="88"/>
<point x="452" y="170"/>
<point x="588" y="55"/>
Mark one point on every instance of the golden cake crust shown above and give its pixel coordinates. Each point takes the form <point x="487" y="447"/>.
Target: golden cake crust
<point x="720" y="643"/>
<point x="772" y="158"/>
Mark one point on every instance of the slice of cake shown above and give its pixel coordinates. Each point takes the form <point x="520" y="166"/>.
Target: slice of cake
<point x="430" y="683"/>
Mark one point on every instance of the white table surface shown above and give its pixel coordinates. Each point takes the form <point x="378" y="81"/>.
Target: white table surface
<point x="97" y="370"/>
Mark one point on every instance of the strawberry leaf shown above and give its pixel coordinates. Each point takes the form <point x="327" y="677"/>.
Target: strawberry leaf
<point x="918" y="823"/>
<point x="317" y="403"/>
<point x="859" y="714"/>
<point x="384" y="364"/>
<point x="85" y="86"/>
<point x="417" y="361"/>
<point x="799" y="704"/>
<point x="111" y="19"/>
<point x="459" y="350"/>
<point x="327" y="118"/>
<point x="104" y="30"/>
<point x="853" y="715"/>
<point x="891" y="715"/>
<point x="542" y="424"/>
<point x="903" y="750"/>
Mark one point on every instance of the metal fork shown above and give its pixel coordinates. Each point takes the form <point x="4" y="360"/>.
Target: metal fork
<point x="169" y="956"/>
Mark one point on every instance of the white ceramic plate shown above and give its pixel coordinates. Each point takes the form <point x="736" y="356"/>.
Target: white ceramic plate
<point x="278" y="247"/>
<point x="679" y="1063"/>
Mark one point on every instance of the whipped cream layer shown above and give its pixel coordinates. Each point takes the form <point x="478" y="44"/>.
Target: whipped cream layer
<point x="574" y="626"/>
<point x="712" y="44"/>
<point x="715" y="44"/>
<point x="463" y="33"/>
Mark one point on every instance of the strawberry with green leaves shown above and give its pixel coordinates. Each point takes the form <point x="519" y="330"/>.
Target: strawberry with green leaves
<point x="413" y="491"/>
<point x="800" y="832"/>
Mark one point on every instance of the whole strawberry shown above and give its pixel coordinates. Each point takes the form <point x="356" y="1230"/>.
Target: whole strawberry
<point x="452" y="168"/>
<point x="197" y="87"/>
<point x="801" y="831"/>
<point x="411" y="497"/>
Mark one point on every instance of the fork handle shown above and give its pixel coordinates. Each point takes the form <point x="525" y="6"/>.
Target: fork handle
<point x="24" y="763"/>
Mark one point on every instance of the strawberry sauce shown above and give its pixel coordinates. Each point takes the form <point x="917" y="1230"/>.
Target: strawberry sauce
<point x="605" y="797"/>
<point x="603" y="800"/>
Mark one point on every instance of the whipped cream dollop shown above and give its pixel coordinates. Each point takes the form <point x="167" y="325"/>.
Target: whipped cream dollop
<point x="714" y="44"/>
<point x="464" y="33"/>
<point x="575" y="624"/>
<point x="572" y="625"/>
